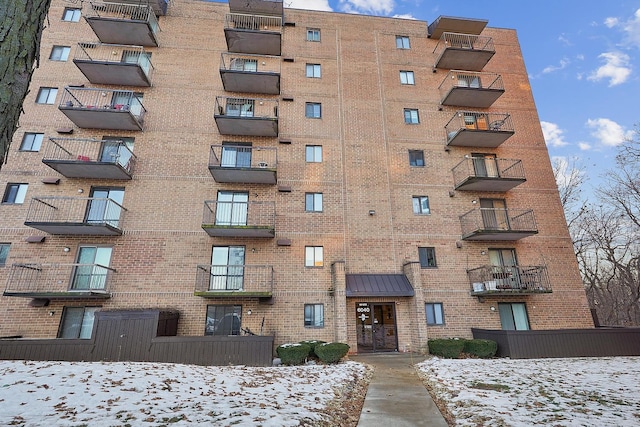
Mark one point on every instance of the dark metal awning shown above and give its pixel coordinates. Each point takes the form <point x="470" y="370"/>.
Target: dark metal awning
<point x="378" y="285"/>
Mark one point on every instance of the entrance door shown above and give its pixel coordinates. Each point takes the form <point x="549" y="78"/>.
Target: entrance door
<point x="494" y="214"/>
<point x="485" y="165"/>
<point x="376" y="327"/>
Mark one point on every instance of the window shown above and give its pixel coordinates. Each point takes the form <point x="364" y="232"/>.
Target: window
<point x="402" y="42"/>
<point x="71" y="14"/>
<point x="92" y="269"/>
<point x="77" y="322"/>
<point x="406" y="78"/>
<point x="313" y="35"/>
<point x="227" y="268"/>
<point x="59" y="53"/>
<point x="313" y="110"/>
<point x="243" y="64"/>
<point x="427" y="257"/>
<point x="313" y="153"/>
<point x="117" y="149"/>
<point x="4" y="253"/>
<point x="513" y="316"/>
<point x="313" y="202"/>
<point x="239" y="107"/>
<point x="435" y="313"/>
<point x="105" y="205"/>
<point x="411" y="116"/>
<point x="15" y="193"/>
<point x="223" y="320"/>
<point x="236" y="155"/>
<point x="416" y="158"/>
<point x="313" y="256"/>
<point x="231" y="208"/>
<point x="314" y="315"/>
<point x="47" y="95"/>
<point x="31" y="141"/>
<point x="313" y="71"/>
<point x="421" y="205"/>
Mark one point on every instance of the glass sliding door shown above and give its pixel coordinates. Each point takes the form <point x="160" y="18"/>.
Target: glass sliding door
<point x="231" y="208"/>
<point x="227" y="268"/>
<point x="91" y="270"/>
<point x="236" y="156"/>
<point x="101" y="209"/>
<point x="513" y="316"/>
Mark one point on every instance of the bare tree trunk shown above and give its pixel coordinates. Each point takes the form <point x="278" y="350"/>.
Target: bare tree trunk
<point x="21" y="25"/>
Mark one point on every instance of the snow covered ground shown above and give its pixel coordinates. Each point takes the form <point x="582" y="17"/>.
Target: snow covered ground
<point x="497" y="392"/>
<point x="148" y="394"/>
<point x="544" y="392"/>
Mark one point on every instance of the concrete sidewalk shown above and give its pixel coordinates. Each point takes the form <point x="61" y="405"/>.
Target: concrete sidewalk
<point x="396" y="395"/>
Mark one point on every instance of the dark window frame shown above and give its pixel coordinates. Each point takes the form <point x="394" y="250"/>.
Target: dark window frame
<point x="416" y="157"/>
<point x="427" y="257"/>
<point x="430" y="312"/>
<point x="232" y="311"/>
<point x="311" y="316"/>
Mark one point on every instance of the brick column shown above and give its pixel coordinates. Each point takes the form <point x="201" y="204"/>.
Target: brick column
<point x="419" y="329"/>
<point x="338" y="280"/>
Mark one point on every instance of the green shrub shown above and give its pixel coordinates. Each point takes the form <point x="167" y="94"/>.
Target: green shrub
<point x="312" y="344"/>
<point x="484" y="349"/>
<point x="449" y="348"/>
<point x="293" y="354"/>
<point x="332" y="352"/>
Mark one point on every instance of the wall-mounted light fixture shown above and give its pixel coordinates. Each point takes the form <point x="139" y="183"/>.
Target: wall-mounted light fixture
<point x="492" y="308"/>
<point x="66" y="249"/>
<point x="372" y="212"/>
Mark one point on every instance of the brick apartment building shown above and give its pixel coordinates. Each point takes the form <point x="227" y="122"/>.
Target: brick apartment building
<point x="302" y="174"/>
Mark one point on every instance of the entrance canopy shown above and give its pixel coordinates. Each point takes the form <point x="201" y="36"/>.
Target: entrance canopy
<point x="378" y="285"/>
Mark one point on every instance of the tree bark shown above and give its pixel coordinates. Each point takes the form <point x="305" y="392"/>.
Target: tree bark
<point x="21" y="25"/>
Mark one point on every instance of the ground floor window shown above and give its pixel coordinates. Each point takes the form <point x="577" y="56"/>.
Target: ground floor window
<point x="314" y="315"/>
<point x="435" y="313"/>
<point x="513" y="316"/>
<point x="223" y="320"/>
<point x="77" y="322"/>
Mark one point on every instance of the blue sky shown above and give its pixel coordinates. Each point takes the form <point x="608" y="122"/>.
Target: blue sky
<point x="581" y="56"/>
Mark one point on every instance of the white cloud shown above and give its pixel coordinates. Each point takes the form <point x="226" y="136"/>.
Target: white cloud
<point x="616" y="68"/>
<point x="584" y="146"/>
<point x="611" y="22"/>
<point x="553" y="134"/>
<point x="564" y="62"/>
<point x="309" y="4"/>
<point x="405" y="16"/>
<point x="631" y="28"/>
<point x="608" y="132"/>
<point x="375" y="7"/>
<point x="562" y="39"/>
<point x="566" y="170"/>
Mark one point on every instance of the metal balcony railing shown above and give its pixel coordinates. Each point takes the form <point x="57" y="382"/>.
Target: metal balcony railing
<point x="91" y="211"/>
<point x="234" y="280"/>
<point x="243" y="156"/>
<point x="248" y="108"/>
<point x="103" y="108"/>
<point x="463" y="41"/>
<point x="248" y="73"/>
<point x="263" y="23"/>
<point x="249" y="63"/>
<point x="141" y="11"/>
<point x="89" y="55"/>
<point x="59" y="280"/>
<point x="488" y="168"/>
<point x="498" y="220"/>
<point x="477" y="120"/>
<point x="471" y="89"/>
<point x="88" y="150"/>
<point x="499" y="279"/>
<point x="239" y="219"/>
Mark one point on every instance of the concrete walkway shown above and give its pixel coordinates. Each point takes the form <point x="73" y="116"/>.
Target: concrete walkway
<point x="396" y="395"/>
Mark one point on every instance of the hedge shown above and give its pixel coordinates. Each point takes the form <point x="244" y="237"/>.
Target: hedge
<point x="332" y="352"/>
<point x="293" y="354"/>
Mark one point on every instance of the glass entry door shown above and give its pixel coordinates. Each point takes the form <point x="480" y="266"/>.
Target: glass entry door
<point x="376" y="327"/>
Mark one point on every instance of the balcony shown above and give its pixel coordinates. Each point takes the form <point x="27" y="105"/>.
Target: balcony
<point x="59" y="281"/>
<point x="456" y="25"/>
<point x="159" y="6"/>
<point x="250" y="73"/>
<point x="488" y="174"/>
<point x="239" y="219"/>
<point x="103" y="108"/>
<point x="243" y="164"/>
<point x="89" y="158"/>
<point x="75" y="216"/>
<point x="259" y="34"/>
<point x="246" y="116"/>
<point x="114" y="64"/>
<point x="234" y="281"/>
<point x="509" y="280"/>
<point x="120" y="23"/>
<point x="498" y="224"/>
<point x="480" y="130"/>
<point x="257" y="7"/>
<point x="470" y="89"/>
<point x="463" y="51"/>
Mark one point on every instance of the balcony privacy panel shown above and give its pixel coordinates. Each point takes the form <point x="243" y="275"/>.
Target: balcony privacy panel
<point x="89" y="158"/>
<point x="113" y="64"/>
<point x="59" y="281"/>
<point x="120" y="23"/>
<point x="499" y="279"/>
